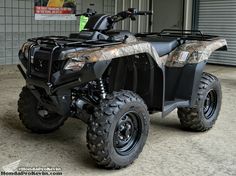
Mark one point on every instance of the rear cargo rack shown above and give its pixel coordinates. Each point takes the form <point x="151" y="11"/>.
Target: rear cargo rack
<point x="181" y="34"/>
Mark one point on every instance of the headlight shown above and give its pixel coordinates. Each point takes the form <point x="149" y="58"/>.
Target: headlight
<point x="26" y="52"/>
<point x="74" y="64"/>
<point x="25" y="49"/>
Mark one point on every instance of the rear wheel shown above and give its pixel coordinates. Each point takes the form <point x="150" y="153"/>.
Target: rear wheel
<point x="36" y="117"/>
<point x="205" y="113"/>
<point x="118" y="131"/>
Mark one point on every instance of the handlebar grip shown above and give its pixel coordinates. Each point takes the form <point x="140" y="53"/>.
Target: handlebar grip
<point x="144" y="13"/>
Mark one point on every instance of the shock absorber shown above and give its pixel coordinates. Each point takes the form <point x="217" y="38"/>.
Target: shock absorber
<point x="101" y="88"/>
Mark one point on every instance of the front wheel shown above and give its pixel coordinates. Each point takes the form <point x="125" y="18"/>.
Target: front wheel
<point x="35" y="117"/>
<point x="205" y="113"/>
<point x="118" y="130"/>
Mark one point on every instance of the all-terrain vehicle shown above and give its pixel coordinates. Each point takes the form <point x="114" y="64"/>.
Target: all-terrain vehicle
<point x="113" y="80"/>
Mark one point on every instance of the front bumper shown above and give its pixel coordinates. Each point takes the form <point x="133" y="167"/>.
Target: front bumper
<point x="66" y="79"/>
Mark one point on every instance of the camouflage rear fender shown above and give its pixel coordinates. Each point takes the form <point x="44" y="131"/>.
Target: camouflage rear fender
<point x="193" y="52"/>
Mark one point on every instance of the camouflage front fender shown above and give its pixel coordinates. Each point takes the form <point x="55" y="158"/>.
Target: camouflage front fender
<point x="193" y="52"/>
<point x="131" y="47"/>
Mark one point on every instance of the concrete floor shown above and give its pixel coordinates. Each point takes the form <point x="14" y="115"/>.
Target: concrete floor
<point x="169" y="150"/>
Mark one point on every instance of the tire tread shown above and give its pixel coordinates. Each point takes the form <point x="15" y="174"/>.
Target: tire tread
<point x="100" y="124"/>
<point x="189" y="117"/>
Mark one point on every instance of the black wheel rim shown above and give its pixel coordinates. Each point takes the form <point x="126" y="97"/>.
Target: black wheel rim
<point x="127" y="133"/>
<point x="210" y="104"/>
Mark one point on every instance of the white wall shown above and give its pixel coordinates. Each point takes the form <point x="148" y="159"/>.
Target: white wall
<point x="17" y="24"/>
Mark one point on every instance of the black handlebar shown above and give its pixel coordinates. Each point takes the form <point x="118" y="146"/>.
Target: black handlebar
<point x="130" y="13"/>
<point x="133" y="11"/>
<point x="144" y="13"/>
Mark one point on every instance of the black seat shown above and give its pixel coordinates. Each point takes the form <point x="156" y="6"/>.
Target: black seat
<point x="163" y="45"/>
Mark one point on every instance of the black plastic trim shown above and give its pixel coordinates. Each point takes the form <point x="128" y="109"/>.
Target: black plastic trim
<point x="183" y="83"/>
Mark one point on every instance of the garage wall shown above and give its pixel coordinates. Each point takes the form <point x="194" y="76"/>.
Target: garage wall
<point x="101" y="6"/>
<point x="17" y="24"/>
<point x="218" y="17"/>
<point x="168" y="14"/>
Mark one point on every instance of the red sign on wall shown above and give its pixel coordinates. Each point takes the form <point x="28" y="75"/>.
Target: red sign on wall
<point x="55" y="10"/>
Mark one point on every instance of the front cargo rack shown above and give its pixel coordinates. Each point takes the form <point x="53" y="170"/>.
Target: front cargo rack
<point x="57" y="42"/>
<point x="63" y="41"/>
<point x="181" y="34"/>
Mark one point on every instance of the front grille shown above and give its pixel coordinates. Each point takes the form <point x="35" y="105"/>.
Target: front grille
<point x="41" y="61"/>
<point x="41" y="65"/>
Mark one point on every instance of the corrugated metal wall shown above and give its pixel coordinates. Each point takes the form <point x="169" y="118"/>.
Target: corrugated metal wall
<point x="17" y="24"/>
<point x="218" y="17"/>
